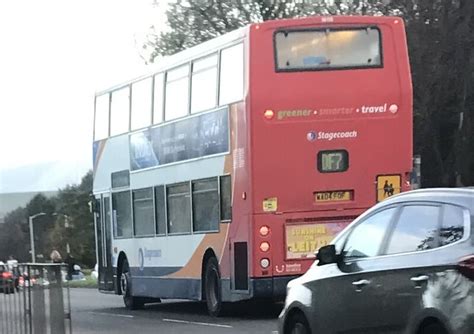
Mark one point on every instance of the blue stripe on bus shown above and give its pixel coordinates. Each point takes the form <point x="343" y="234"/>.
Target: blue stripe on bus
<point x="153" y="271"/>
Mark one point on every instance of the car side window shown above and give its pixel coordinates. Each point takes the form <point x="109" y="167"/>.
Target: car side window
<point x="415" y="230"/>
<point x="366" y="238"/>
<point x="452" y="225"/>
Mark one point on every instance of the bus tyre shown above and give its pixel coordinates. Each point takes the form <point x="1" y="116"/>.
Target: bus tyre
<point x="212" y="287"/>
<point x="131" y="302"/>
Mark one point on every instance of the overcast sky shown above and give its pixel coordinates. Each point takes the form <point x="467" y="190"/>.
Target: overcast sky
<point x="54" y="54"/>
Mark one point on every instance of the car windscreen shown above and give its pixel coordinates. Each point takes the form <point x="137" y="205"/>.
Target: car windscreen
<point x="326" y="49"/>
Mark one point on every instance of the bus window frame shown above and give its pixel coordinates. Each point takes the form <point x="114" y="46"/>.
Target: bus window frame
<point x="94" y="132"/>
<point x="219" y="73"/>
<point x="161" y="74"/>
<point x="217" y="178"/>
<point x="339" y="68"/>
<point x="114" y="216"/>
<point x="217" y="54"/>
<point x="190" y="232"/>
<point x="167" y="81"/>
<point x="135" y="236"/>
<point x="128" y="87"/>
<point x="224" y="221"/>
<point x="165" y="194"/>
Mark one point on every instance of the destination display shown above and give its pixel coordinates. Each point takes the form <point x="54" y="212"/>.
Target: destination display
<point x="190" y="138"/>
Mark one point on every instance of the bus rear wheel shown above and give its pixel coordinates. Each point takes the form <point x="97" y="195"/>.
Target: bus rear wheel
<point x="131" y="302"/>
<point x="212" y="287"/>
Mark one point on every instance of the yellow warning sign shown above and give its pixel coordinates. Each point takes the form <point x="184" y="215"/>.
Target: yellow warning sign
<point x="270" y="204"/>
<point x="387" y="185"/>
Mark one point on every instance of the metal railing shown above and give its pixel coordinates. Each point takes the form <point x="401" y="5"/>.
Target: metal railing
<point x="35" y="300"/>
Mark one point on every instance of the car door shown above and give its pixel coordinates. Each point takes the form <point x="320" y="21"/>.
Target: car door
<point x="416" y="260"/>
<point x="359" y="309"/>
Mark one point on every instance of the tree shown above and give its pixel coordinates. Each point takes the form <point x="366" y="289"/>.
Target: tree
<point x="50" y="230"/>
<point x="440" y="37"/>
<point x="14" y="236"/>
<point x="73" y="205"/>
<point x="194" y="22"/>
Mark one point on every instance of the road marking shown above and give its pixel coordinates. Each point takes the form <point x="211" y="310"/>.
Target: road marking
<point x="112" y="315"/>
<point x="197" y="323"/>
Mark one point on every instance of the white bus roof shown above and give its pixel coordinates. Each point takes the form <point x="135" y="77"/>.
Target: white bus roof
<point x="184" y="56"/>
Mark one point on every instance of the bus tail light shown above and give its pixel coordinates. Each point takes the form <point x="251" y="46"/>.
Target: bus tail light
<point x="264" y="231"/>
<point x="466" y="267"/>
<point x="269" y="114"/>
<point x="264" y="246"/>
<point x="265" y="263"/>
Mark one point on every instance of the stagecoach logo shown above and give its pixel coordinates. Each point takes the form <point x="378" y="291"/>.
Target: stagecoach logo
<point x="147" y="254"/>
<point x="141" y="259"/>
<point x="329" y="136"/>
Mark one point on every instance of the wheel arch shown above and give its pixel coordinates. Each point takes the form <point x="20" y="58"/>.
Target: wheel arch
<point x="429" y="321"/>
<point x="208" y="254"/>
<point x="293" y="312"/>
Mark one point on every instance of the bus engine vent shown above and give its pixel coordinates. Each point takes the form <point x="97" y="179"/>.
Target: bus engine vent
<point x="240" y="266"/>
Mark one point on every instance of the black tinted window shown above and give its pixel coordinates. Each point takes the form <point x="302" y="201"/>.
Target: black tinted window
<point x="415" y="230"/>
<point x="452" y="225"/>
<point x="143" y="216"/>
<point x="366" y="238"/>
<point x="122" y="214"/>
<point x="328" y="49"/>
<point x="179" y="208"/>
<point x="205" y="205"/>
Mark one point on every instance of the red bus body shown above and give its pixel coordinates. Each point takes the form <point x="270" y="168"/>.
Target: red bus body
<point x="277" y="157"/>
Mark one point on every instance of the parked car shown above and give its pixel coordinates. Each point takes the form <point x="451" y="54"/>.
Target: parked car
<point x="404" y="266"/>
<point x="7" y="280"/>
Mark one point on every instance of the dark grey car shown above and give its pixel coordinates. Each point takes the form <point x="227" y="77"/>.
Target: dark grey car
<point x="404" y="266"/>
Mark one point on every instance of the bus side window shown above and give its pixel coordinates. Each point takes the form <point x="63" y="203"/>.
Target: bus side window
<point x="205" y="205"/>
<point x="226" y="198"/>
<point x="158" y="98"/>
<point x="232" y="74"/>
<point x="121" y="206"/>
<point x="179" y="208"/>
<point x="120" y="111"/>
<point x="141" y="103"/>
<point x="177" y="92"/>
<point x="101" y="126"/>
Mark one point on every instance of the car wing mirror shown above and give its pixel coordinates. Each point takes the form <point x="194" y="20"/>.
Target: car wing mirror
<point x="326" y="255"/>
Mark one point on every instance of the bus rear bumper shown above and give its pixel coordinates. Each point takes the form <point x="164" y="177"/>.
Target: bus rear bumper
<point x="271" y="288"/>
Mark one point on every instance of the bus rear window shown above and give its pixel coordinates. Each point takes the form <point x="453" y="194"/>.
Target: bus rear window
<point x="327" y="49"/>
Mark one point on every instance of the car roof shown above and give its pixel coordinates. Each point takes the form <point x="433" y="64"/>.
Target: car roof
<point x="460" y="196"/>
<point x="457" y="196"/>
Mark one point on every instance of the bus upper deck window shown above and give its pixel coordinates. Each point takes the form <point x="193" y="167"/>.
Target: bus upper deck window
<point x="325" y="49"/>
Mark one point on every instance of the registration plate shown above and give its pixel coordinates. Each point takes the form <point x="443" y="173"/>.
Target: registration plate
<point x="333" y="196"/>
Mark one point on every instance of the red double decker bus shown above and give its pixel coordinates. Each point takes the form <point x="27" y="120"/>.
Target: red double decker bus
<point x="220" y="174"/>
